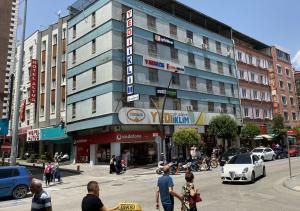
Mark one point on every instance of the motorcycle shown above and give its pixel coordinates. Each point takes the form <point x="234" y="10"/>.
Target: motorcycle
<point x="205" y="164"/>
<point x="61" y="157"/>
<point x="160" y="167"/>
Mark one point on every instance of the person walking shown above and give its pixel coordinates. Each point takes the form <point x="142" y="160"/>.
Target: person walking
<point x="165" y="191"/>
<point x="92" y="202"/>
<point x="112" y="167"/>
<point x="41" y="200"/>
<point x="48" y="173"/>
<point x="190" y="194"/>
<point x="56" y="172"/>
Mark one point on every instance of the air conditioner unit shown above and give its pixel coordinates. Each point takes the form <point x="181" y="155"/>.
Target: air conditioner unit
<point x="189" y="41"/>
<point x="204" y="46"/>
<point x="189" y="108"/>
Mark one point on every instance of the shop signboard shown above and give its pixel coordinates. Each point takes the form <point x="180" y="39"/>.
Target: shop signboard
<point x="162" y="64"/>
<point x="23" y="130"/>
<point x="161" y="92"/>
<point x="33" y="80"/>
<point x="171" y="117"/>
<point x="33" y="135"/>
<point x="163" y="40"/>
<point x="3" y="127"/>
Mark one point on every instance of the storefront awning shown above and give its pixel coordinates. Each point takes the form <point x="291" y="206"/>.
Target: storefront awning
<point x="55" y="135"/>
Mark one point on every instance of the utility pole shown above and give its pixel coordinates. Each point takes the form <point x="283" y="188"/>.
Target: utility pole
<point x="15" y="137"/>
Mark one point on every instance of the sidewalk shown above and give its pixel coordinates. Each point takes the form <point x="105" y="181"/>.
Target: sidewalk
<point x="293" y="183"/>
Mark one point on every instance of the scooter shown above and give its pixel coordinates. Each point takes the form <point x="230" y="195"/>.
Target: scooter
<point x="62" y="157"/>
<point x="160" y="167"/>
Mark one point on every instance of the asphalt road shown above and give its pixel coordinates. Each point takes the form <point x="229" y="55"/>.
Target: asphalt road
<point x="266" y="194"/>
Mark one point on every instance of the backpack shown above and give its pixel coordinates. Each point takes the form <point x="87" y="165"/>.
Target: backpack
<point x="47" y="169"/>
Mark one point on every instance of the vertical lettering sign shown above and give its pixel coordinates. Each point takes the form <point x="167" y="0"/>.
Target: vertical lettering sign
<point x="33" y="80"/>
<point x="129" y="52"/>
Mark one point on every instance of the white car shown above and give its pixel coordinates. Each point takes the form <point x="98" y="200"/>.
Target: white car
<point x="243" y="168"/>
<point x="264" y="153"/>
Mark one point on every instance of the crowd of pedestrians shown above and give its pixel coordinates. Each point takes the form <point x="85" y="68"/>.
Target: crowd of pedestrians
<point x="52" y="172"/>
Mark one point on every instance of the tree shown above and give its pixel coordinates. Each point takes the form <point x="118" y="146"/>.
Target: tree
<point x="223" y="126"/>
<point x="249" y="131"/>
<point x="186" y="137"/>
<point x="278" y="127"/>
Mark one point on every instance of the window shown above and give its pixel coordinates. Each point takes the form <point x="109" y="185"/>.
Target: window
<point x="257" y="113"/>
<point x="222" y="88"/>
<point x="294" y="116"/>
<point x="174" y="54"/>
<point x="250" y="59"/>
<point x="74" y="57"/>
<point x="191" y="58"/>
<point x="152" y="48"/>
<point x="246" y="112"/>
<point x="239" y="56"/>
<point x="286" y="116"/>
<point x="290" y="86"/>
<point x="209" y="86"/>
<point x="255" y="96"/>
<point x="74" y="31"/>
<point x="54" y="39"/>
<point x="263" y="95"/>
<point x="279" y="70"/>
<point x="283" y="98"/>
<point x="230" y="69"/>
<point x="232" y="90"/>
<point x="93" y="46"/>
<point x="287" y="72"/>
<point x="234" y="109"/>
<point x="211" y="107"/>
<point x="244" y="93"/>
<point x="223" y="108"/>
<point x="153" y="101"/>
<point x="93" y="19"/>
<point x="94" y="75"/>
<point x="175" y="79"/>
<point x="218" y="47"/>
<point x="252" y="76"/>
<point x="94" y="105"/>
<point x="173" y="30"/>
<point x="6" y="173"/>
<point x="52" y="107"/>
<point x="189" y="34"/>
<point x="194" y="104"/>
<point x="193" y="83"/>
<point x="151" y="22"/>
<point x="265" y="113"/>
<point x="176" y="104"/>
<point x="207" y="63"/>
<point x="205" y="42"/>
<point x="64" y="33"/>
<point x="153" y="75"/>
<point x="292" y="100"/>
<point x="261" y="79"/>
<point x="220" y="67"/>
<point x="281" y="84"/>
<point x="73" y="110"/>
<point x="74" y="83"/>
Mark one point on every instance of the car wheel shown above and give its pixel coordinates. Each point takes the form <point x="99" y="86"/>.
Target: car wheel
<point x="158" y="171"/>
<point x="273" y="157"/>
<point x="264" y="172"/>
<point x="20" y="192"/>
<point x="253" y="177"/>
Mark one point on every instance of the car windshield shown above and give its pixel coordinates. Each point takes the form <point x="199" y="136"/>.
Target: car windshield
<point x="241" y="159"/>
<point x="258" y="150"/>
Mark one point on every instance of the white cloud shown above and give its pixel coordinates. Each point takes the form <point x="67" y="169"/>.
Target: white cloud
<point x="296" y="60"/>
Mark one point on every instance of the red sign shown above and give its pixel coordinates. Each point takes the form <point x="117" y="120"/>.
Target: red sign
<point x="6" y="147"/>
<point x="33" y="80"/>
<point x="292" y="132"/>
<point x="127" y="137"/>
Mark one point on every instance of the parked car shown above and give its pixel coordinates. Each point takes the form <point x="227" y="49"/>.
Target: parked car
<point x="265" y="153"/>
<point x="227" y="155"/>
<point x="14" y="181"/>
<point x="281" y="153"/>
<point x="243" y="168"/>
<point x="294" y="150"/>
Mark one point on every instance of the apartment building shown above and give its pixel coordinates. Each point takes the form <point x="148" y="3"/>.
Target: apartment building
<point x="8" y="24"/>
<point x="254" y="61"/>
<point x="42" y="107"/>
<point x="297" y="84"/>
<point x="283" y="87"/>
<point x="125" y="56"/>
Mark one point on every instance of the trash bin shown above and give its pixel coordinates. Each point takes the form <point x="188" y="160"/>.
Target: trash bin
<point x="128" y="206"/>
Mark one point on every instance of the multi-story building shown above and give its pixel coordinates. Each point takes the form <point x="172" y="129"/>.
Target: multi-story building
<point x="297" y="84"/>
<point x="42" y="109"/>
<point x="254" y="60"/>
<point x="114" y="100"/>
<point x="8" y="24"/>
<point x="283" y="88"/>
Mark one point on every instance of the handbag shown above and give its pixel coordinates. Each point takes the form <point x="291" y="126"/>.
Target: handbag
<point x="195" y="199"/>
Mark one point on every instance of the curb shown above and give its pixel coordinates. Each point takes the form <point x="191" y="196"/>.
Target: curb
<point x="289" y="187"/>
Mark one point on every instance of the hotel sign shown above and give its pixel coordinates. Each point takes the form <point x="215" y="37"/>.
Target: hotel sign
<point x="33" y="135"/>
<point x="163" y="40"/>
<point x="161" y="64"/>
<point x="129" y="57"/>
<point x="33" y="80"/>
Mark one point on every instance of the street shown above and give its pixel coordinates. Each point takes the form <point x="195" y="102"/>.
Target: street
<point x="266" y="194"/>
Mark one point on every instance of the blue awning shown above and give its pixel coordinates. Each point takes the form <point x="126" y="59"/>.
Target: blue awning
<point x="55" y="134"/>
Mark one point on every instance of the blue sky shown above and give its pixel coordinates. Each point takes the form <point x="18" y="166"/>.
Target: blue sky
<point x="269" y="21"/>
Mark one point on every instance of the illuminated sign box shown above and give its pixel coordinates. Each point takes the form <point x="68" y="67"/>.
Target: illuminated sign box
<point x="163" y="40"/>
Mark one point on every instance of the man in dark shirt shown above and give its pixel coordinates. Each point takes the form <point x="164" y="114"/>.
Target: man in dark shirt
<point x="165" y="190"/>
<point x="92" y="202"/>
